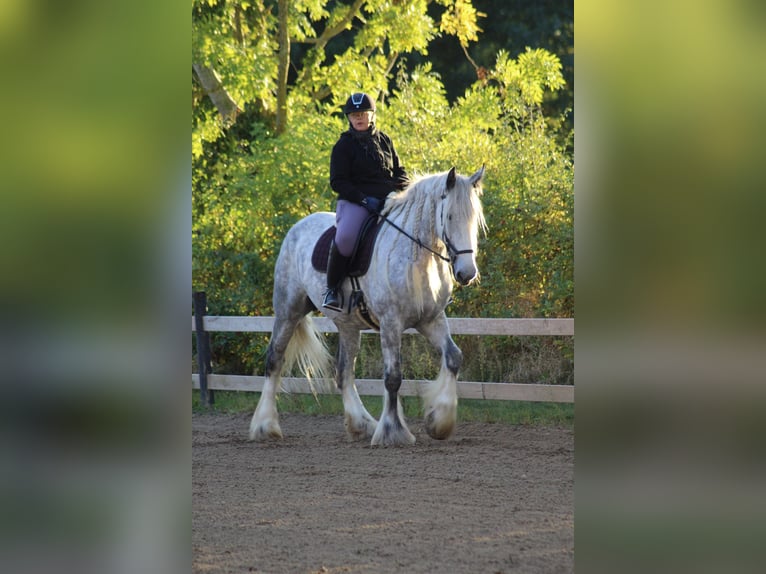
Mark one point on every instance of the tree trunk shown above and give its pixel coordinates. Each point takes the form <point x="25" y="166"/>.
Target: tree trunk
<point x="284" y="65"/>
<point x="213" y="87"/>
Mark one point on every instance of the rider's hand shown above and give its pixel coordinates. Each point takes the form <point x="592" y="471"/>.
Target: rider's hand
<point x="373" y="204"/>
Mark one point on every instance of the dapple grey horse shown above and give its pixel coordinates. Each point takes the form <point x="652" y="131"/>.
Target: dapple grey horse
<point x="429" y="237"/>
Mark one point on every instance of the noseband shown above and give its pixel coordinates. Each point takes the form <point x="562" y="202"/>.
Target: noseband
<point x="452" y="251"/>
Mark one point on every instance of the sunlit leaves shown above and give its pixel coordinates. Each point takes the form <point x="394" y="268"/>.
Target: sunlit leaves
<point x="303" y="14"/>
<point x="350" y="73"/>
<point x="416" y="116"/>
<point x="404" y="27"/>
<point x="525" y="79"/>
<point x="460" y="20"/>
<point x="207" y="128"/>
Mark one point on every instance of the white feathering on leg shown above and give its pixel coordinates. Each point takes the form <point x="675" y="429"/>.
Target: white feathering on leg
<point x="440" y="405"/>
<point x="390" y="431"/>
<point x="265" y="422"/>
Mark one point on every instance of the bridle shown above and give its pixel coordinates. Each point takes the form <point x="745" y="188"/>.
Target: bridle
<point x="452" y="251"/>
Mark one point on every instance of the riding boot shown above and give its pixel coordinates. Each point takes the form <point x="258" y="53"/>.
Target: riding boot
<point x="337" y="266"/>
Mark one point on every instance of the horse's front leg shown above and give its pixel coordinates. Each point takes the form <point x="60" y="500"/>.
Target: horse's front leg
<point x="391" y="429"/>
<point x="359" y="423"/>
<point x="440" y="396"/>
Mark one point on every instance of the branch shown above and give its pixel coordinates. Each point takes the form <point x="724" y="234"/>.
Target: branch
<point x="481" y="71"/>
<point x="214" y="89"/>
<point x="392" y="57"/>
<point x="238" y="24"/>
<point x="465" y="51"/>
<point x="328" y="34"/>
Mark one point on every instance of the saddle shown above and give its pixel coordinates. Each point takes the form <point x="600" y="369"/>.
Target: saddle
<point x="360" y="258"/>
<point x="358" y="266"/>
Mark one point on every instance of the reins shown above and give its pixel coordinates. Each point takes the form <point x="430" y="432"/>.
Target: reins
<point x="451" y="250"/>
<point x="417" y="241"/>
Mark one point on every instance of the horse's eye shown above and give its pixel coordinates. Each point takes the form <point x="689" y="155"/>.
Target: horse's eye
<point x="449" y="217"/>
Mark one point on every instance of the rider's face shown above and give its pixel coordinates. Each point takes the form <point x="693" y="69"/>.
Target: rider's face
<point x="360" y="120"/>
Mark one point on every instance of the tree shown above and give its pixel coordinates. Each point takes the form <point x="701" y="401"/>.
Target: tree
<point x="237" y="41"/>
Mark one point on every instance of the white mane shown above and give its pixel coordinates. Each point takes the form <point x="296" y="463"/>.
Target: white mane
<point x="414" y="209"/>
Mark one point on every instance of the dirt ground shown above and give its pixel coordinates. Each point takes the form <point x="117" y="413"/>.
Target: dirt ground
<point x="494" y="498"/>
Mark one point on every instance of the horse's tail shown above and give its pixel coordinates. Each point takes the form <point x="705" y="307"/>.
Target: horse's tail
<point x="308" y="349"/>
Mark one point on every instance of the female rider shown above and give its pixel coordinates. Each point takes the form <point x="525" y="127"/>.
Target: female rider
<point x="364" y="169"/>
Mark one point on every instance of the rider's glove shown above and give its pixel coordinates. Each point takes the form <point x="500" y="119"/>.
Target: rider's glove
<point x="373" y="204"/>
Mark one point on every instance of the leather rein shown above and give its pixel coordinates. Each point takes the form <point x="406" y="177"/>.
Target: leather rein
<point x="452" y="251"/>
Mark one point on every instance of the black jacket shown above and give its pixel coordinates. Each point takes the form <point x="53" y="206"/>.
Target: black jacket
<point x="365" y="164"/>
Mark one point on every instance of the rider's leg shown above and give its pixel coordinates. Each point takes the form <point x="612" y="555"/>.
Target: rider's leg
<point x="348" y="221"/>
<point x="337" y="265"/>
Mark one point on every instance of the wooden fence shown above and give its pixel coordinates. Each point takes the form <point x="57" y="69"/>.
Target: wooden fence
<point x="458" y="326"/>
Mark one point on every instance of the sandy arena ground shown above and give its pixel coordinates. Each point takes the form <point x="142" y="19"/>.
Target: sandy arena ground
<point x="493" y="499"/>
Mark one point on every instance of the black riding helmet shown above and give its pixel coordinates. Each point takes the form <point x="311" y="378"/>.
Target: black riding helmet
<point x="359" y="102"/>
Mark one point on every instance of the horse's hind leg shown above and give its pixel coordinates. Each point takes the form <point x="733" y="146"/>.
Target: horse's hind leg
<point x="391" y="429"/>
<point x="265" y="421"/>
<point x="290" y="308"/>
<point x="440" y="396"/>
<point x="359" y="423"/>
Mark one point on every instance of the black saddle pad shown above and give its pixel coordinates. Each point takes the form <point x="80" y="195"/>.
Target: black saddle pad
<point x="361" y="261"/>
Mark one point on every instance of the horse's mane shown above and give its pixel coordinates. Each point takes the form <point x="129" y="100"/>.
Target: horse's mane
<point x="417" y="203"/>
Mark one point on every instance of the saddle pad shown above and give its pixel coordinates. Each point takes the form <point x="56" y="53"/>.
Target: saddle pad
<point x="361" y="261"/>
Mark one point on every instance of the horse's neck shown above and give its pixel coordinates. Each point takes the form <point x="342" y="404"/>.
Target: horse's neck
<point x="417" y="216"/>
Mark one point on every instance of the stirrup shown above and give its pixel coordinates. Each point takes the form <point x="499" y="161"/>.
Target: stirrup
<point x="333" y="300"/>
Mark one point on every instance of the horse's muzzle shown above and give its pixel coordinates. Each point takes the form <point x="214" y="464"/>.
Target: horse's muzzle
<point x="465" y="276"/>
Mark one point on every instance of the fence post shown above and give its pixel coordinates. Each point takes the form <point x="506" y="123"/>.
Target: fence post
<point x="203" y="347"/>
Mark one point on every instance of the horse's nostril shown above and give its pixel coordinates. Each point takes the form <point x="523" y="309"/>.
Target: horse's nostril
<point x="463" y="278"/>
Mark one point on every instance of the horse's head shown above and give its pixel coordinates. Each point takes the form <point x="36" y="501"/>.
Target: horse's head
<point x="458" y="224"/>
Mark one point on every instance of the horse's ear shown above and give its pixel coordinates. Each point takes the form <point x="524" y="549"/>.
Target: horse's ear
<point x="451" y="178"/>
<point x="476" y="178"/>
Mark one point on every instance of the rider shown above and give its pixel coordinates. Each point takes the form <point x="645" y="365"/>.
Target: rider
<point x="364" y="169"/>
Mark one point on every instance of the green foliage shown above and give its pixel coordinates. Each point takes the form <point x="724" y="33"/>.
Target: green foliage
<point x="251" y="185"/>
<point x="238" y="40"/>
<point x="525" y="79"/>
<point x="460" y="20"/>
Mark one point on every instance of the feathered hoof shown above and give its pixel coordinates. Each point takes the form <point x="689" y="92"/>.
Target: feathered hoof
<point x="440" y="422"/>
<point x="392" y="434"/>
<point x="359" y="430"/>
<point x="268" y="430"/>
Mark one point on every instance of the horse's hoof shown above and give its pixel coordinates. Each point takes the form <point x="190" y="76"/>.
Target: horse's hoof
<point x="266" y="431"/>
<point x="440" y="425"/>
<point x="392" y="435"/>
<point x="359" y="431"/>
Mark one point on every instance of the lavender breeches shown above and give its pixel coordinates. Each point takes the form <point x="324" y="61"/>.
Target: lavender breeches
<point x="349" y="218"/>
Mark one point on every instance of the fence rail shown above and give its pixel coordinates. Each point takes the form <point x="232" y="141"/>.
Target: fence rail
<point x="458" y="326"/>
